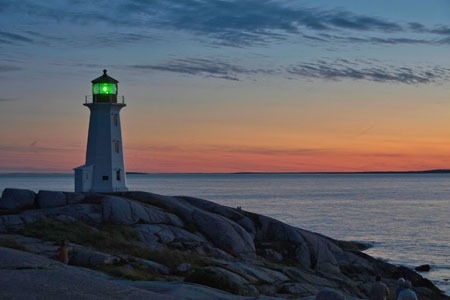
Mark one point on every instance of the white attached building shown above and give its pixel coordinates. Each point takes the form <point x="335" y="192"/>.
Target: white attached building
<point x="104" y="169"/>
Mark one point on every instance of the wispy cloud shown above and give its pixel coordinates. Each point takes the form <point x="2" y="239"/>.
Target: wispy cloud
<point x="9" y="68"/>
<point x="233" y="23"/>
<point x="343" y="69"/>
<point x="438" y="29"/>
<point x="203" y="67"/>
<point x="14" y="37"/>
<point x="358" y="22"/>
<point x="326" y="37"/>
<point x="337" y="69"/>
<point x="238" y="23"/>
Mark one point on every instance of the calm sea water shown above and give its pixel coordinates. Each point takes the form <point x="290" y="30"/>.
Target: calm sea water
<point x="405" y="216"/>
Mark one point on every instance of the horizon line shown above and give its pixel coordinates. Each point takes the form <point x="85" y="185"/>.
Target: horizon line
<point x="433" y="171"/>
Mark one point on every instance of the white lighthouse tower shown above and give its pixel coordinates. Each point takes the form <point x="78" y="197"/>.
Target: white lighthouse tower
<point x="104" y="169"/>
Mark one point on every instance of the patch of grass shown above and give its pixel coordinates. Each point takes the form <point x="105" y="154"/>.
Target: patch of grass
<point x="12" y="243"/>
<point x="136" y="273"/>
<point x="173" y="258"/>
<point x="113" y="239"/>
<point x="212" y="279"/>
<point x="108" y="237"/>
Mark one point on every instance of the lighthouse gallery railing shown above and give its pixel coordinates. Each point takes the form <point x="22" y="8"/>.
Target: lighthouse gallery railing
<point x="88" y="99"/>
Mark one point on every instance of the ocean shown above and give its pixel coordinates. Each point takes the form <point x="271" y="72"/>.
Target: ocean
<point x="406" y="217"/>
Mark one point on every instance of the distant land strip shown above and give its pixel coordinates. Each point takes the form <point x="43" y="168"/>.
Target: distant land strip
<point x="436" y="171"/>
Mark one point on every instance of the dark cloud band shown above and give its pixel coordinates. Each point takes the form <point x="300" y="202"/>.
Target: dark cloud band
<point x="238" y="23"/>
<point x="339" y="69"/>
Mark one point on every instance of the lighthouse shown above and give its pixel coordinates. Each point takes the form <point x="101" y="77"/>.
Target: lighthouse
<point x="104" y="168"/>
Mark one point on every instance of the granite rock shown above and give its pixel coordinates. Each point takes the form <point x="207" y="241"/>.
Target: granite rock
<point x="121" y="211"/>
<point x="48" y="199"/>
<point x="17" y="199"/>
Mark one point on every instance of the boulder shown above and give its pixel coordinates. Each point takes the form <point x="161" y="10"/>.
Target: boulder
<point x="355" y="263"/>
<point x="225" y="211"/>
<point x="121" y="211"/>
<point x="311" y="250"/>
<point x="330" y="294"/>
<point x="48" y="199"/>
<point x="323" y="251"/>
<point x="273" y="230"/>
<point x="423" y="268"/>
<point x="93" y="259"/>
<point x="224" y="233"/>
<point x="17" y="199"/>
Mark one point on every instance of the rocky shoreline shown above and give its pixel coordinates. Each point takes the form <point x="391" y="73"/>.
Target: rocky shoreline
<point x="142" y="245"/>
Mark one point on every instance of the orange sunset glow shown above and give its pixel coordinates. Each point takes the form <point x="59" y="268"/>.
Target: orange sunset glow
<point x="400" y="129"/>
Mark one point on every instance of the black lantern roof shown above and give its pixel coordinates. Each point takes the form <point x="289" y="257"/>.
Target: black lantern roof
<point x="104" y="79"/>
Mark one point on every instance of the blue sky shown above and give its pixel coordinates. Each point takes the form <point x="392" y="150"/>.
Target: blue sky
<point x="232" y="40"/>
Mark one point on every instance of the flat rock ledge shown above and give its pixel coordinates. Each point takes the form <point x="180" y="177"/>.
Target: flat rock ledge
<point x="138" y="245"/>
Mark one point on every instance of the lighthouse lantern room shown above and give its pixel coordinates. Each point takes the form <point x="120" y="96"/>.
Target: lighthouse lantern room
<point x="104" y="168"/>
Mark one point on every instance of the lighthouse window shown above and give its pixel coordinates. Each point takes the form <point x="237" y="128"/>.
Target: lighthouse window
<point x="105" y="178"/>
<point x="118" y="175"/>
<point x="116" y="146"/>
<point x="104" y="88"/>
<point x="115" y="120"/>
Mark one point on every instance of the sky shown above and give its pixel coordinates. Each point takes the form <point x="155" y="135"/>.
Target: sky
<point x="230" y="86"/>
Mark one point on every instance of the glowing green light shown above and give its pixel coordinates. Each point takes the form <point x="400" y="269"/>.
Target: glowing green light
<point x="104" y="88"/>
